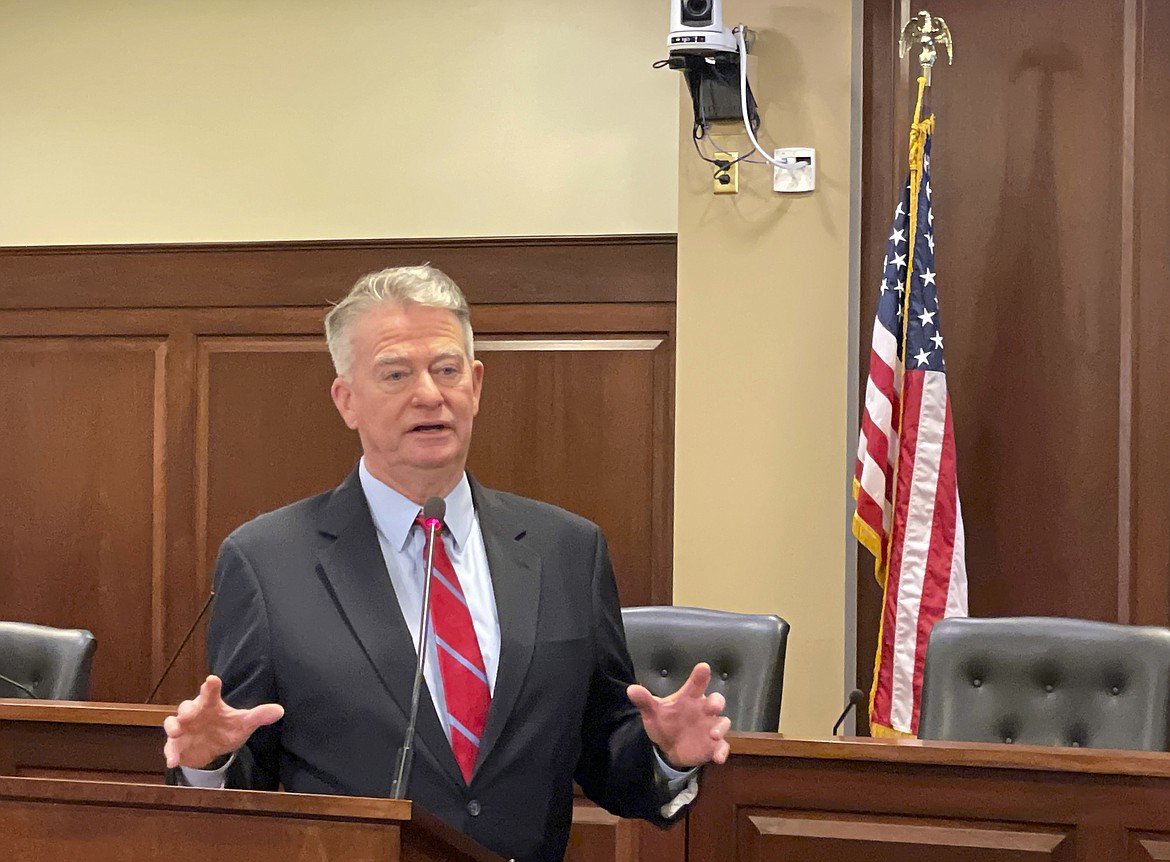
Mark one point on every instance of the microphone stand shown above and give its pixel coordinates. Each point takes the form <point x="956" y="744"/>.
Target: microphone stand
<point x="406" y="753"/>
<point x="855" y="698"/>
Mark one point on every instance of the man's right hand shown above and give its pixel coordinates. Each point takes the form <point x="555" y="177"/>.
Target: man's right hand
<point x="206" y="728"/>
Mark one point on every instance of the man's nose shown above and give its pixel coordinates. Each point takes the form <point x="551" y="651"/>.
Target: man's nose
<point x="426" y="391"/>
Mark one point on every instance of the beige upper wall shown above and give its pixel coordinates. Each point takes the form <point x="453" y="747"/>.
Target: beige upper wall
<point x="161" y="121"/>
<point x="762" y="425"/>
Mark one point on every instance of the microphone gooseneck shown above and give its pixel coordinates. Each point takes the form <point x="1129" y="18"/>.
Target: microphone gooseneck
<point x="856" y="698"/>
<point x="433" y="511"/>
<point x="158" y="683"/>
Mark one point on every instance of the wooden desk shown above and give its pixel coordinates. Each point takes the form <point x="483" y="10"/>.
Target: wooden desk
<point x="914" y="801"/>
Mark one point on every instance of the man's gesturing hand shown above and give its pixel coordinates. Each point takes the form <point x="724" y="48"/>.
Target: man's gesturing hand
<point x="206" y="728"/>
<point x="688" y="726"/>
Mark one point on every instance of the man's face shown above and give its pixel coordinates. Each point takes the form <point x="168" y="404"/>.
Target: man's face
<point x="412" y="396"/>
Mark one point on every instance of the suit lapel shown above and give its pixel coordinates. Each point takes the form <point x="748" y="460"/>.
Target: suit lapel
<point x="355" y="570"/>
<point x="515" y="572"/>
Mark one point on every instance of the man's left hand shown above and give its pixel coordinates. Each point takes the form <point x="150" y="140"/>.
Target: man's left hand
<point x="688" y="726"/>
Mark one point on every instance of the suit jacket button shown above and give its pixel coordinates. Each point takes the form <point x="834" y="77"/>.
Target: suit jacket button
<point x="473" y="808"/>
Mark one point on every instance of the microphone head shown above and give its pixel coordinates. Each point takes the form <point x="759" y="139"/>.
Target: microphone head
<point x="434" y="509"/>
<point x="856" y="697"/>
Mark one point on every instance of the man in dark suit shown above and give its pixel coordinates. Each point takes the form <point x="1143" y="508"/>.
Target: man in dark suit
<point x="528" y="682"/>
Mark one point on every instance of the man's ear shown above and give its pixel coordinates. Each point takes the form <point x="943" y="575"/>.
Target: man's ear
<point x="476" y="385"/>
<point x="343" y="401"/>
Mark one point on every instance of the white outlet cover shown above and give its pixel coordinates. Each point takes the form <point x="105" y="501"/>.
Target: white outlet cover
<point x="800" y="173"/>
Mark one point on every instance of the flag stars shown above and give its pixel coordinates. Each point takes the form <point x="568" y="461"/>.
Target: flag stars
<point x="899" y="212"/>
<point x="930" y="217"/>
<point x="930" y="241"/>
<point x="922" y="357"/>
<point x="928" y="277"/>
<point x="898" y="237"/>
<point x="899" y="287"/>
<point x="937" y="339"/>
<point x="885" y="287"/>
<point x="927" y="317"/>
<point x="900" y="261"/>
<point x="928" y="191"/>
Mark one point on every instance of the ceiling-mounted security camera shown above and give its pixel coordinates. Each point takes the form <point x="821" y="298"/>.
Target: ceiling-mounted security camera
<point x="696" y="27"/>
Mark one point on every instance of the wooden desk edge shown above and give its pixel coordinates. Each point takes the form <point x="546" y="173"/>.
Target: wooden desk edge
<point x="200" y="799"/>
<point x="1100" y="761"/>
<point x="83" y="712"/>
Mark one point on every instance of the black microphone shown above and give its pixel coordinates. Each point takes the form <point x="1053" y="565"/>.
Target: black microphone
<point x="856" y="698"/>
<point x="433" y="511"/>
<point x="186" y="638"/>
<point x="28" y="691"/>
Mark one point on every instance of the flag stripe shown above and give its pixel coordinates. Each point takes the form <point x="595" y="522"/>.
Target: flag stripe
<point x="926" y="456"/>
<point x="940" y="558"/>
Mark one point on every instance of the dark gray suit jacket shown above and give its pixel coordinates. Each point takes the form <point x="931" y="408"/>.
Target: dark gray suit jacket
<point x="305" y="615"/>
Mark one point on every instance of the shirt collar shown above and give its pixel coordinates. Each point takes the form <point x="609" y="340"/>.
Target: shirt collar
<point x="394" y="514"/>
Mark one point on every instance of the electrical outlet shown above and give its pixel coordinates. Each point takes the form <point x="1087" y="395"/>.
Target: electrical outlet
<point x="727" y="182"/>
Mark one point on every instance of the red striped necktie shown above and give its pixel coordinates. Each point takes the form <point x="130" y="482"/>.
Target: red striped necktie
<point x="465" y="684"/>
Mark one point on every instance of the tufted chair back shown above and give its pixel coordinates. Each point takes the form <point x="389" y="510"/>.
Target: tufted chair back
<point x="53" y="664"/>
<point x="1047" y="681"/>
<point x="745" y="651"/>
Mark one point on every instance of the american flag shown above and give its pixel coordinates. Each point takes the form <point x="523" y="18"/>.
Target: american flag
<point x="908" y="512"/>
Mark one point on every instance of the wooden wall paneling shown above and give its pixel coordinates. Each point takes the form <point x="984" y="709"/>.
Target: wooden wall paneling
<point x="176" y="587"/>
<point x="576" y="422"/>
<point x="1052" y="278"/>
<point x="1029" y="288"/>
<point x="267" y="433"/>
<point x="1148" y="476"/>
<point x="619" y="269"/>
<point x="661" y="511"/>
<point x="238" y="392"/>
<point x="83" y="443"/>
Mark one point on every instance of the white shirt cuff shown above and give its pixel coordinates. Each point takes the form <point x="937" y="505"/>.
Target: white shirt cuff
<point x="210" y="779"/>
<point x="683" y="786"/>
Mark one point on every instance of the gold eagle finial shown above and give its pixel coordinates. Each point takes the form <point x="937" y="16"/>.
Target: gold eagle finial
<point x="927" y="31"/>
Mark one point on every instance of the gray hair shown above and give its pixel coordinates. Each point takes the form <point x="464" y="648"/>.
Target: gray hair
<point x="399" y="286"/>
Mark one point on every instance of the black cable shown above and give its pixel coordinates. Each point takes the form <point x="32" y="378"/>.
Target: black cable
<point x="28" y="691"/>
<point x="722" y="164"/>
<point x="744" y="158"/>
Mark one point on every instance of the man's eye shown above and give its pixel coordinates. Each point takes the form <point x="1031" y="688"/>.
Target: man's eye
<point x="449" y="370"/>
<point x="396" y="376"/>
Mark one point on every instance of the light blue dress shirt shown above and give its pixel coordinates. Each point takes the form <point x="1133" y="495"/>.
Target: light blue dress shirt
<point x="402" y="543"/>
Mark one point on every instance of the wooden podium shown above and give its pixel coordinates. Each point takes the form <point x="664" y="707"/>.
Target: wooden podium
<point x="50" y="819"/>
<point x="48" y="814"/>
